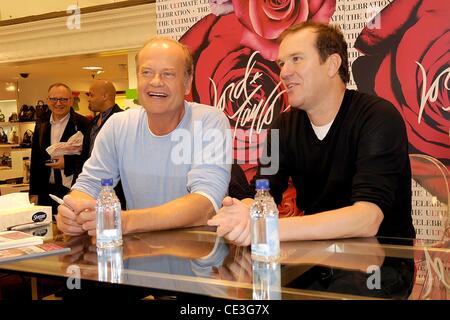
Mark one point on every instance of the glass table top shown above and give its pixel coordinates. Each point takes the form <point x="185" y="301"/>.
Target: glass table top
<point x="196" y="261"/>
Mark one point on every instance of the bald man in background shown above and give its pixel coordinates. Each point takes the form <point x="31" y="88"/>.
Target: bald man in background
<point x="101" y="98"/>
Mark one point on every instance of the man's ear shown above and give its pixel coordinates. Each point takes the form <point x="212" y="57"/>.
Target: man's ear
<point x="334" y="62"/>
<point x="188" y="84"/>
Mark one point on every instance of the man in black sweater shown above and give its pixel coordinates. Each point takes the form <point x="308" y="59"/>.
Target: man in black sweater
<point x="347" y="152"/>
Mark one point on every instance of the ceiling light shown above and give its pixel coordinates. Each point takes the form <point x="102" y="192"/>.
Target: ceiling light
<point x="10" y="86"/>
<point x="92" y="68"/>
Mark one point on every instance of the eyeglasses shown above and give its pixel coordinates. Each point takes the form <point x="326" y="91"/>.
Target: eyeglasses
<point x="62" y="100"/>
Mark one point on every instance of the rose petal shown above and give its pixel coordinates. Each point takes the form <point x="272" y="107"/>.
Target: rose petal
<point x="393" y="17"/>
<point x="274" y="10"/>
<point x="267" y="48"/>
<point x="241" y="10"/>
<point x="321" y="10"/>
<point x="419" y="138"/>
<point x="194" y="38"/>
<point x="268" y="19"/>
<point x="271" y="28"/>
<point x="315" y="5"/>
<point x="384" y="82"/>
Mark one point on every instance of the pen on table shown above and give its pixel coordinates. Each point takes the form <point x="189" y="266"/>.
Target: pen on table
<point x="28" y="226"/>
<point x="60" y="201"/>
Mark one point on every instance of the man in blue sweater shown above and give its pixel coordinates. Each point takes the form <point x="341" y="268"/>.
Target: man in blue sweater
<point x="172" y="157"/>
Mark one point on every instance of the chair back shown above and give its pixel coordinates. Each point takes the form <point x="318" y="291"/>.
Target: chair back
<point x="430" y="197"/>
<point x="430" y="213"/>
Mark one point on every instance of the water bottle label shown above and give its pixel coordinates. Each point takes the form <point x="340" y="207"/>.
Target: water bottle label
<point x="270" y="246"/>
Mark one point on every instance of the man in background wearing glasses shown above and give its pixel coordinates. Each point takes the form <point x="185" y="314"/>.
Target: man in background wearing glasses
<point x="55" y="175"/>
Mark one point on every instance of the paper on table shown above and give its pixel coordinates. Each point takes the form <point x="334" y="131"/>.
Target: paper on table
<point x="29" y="252"/>
<point x="72" y="146"/>
<point x="14" y="239"/>
<point x="17" y="200"/>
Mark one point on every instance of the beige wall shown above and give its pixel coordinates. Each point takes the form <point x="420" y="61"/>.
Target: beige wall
<point x="24" y="8"/>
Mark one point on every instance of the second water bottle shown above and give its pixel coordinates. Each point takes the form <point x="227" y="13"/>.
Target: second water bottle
<point x="265" y="238"/>
<point x="108" y="215"/>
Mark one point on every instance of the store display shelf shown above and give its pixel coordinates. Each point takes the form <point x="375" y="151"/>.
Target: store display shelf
<point x="9" y="145"/>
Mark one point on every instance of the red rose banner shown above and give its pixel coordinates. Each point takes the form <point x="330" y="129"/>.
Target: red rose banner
<point x="236" y="80"/>
<point x="407" y="61"/>
<point x="400" y="53"/>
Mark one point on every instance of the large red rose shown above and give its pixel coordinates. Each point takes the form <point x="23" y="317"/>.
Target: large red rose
<point x="236" y="80"/>
<point x="264" y="20"/>
<point x="409" y="57"/>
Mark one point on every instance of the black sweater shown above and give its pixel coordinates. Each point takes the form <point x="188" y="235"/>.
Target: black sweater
<point x="363" y="157"/>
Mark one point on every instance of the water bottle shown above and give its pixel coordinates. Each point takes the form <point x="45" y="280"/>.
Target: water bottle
<point x="265" y="238"/>
<point x="266" y="280"/>
<point x="109" y="225"/>
<point x="110" y="264"/>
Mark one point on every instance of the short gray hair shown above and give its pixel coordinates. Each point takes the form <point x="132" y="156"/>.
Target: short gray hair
<point x="60" y="84"/>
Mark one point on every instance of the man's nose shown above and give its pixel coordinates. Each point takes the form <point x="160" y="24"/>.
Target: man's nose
<point x="286" y="71"/>
<point x="156" y="80"/>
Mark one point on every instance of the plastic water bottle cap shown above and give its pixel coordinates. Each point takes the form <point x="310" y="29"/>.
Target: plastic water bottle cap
<point x="107" y="182"/>
<point x="262" y="184"/>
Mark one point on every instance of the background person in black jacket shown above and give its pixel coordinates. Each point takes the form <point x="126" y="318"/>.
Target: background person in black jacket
<point x="63" y="122"/>
<point x="101" y="98"/>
